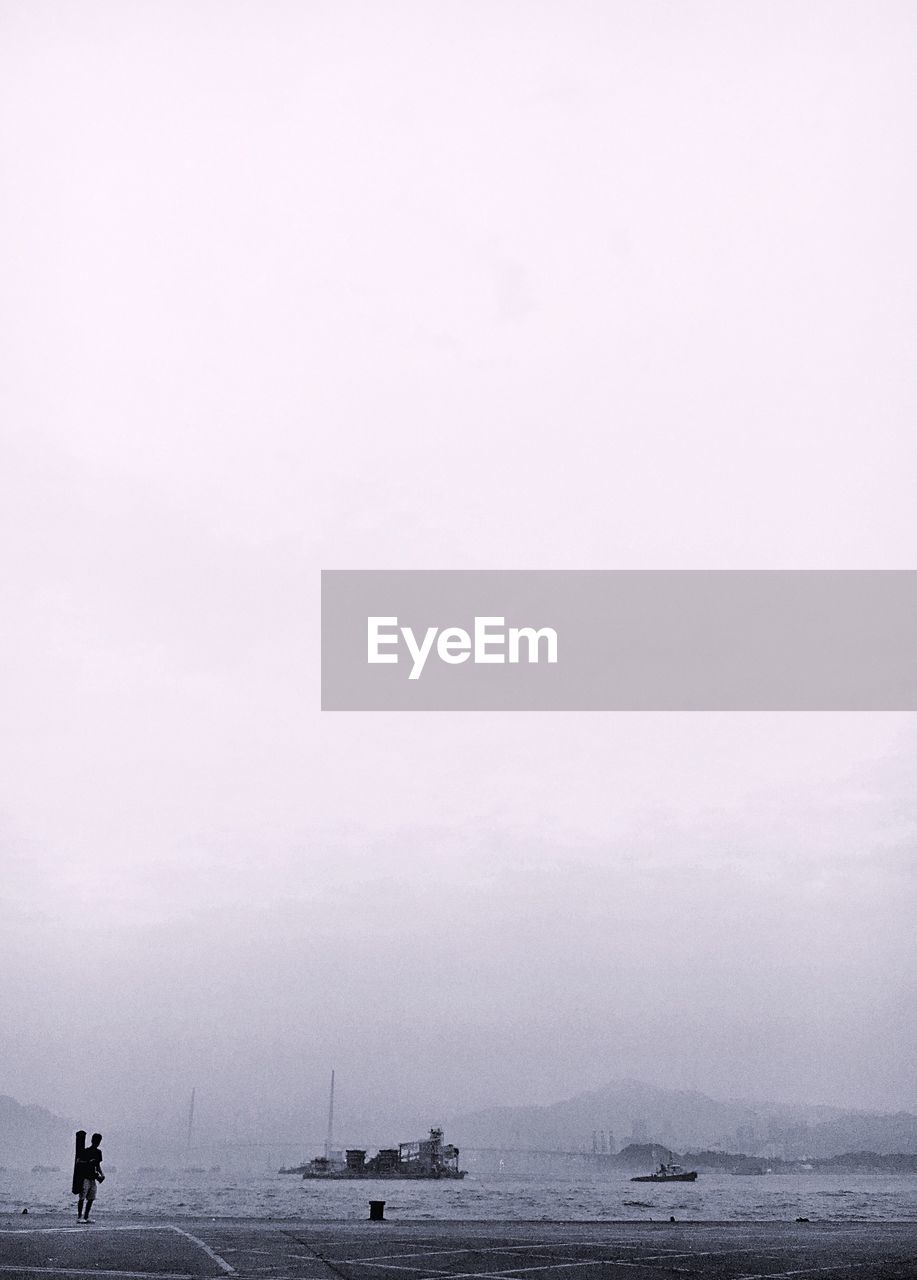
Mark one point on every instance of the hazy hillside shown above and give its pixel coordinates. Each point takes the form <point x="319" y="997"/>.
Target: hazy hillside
<point x="631" y="1110"/>
<point x="865" y="1131"/>
<point x="682" y="1119"/>
<point x="32" y="1135"/>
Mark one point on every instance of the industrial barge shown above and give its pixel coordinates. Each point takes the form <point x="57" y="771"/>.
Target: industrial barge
<point x="429" y="1159"/>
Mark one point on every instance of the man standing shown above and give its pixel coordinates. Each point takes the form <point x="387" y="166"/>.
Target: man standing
<point x="90" y="1166"/>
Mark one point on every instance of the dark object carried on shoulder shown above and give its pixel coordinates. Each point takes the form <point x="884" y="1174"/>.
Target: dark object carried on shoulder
<point x="79" y="1163"/>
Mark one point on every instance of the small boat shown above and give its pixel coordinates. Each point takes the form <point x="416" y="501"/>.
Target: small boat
<point x="668" y="1173"/>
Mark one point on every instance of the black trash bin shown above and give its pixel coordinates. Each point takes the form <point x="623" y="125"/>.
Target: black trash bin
<point x="377" y="1210"/>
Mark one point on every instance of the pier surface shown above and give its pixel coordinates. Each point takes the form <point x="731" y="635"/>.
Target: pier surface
<point x="49" y="1245"/>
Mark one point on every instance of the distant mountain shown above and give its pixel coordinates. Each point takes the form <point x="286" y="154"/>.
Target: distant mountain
<point x="635" y="1112"/>
<point x="886" y="1134"/>
<point x="31" y="1135"/>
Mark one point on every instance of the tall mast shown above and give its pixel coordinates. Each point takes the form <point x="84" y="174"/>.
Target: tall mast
<point x="191" y="1118"/>
<point x="330" y="1119"/>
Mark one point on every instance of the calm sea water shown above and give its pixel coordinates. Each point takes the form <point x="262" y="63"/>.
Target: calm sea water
<point x="271" y="1195"/>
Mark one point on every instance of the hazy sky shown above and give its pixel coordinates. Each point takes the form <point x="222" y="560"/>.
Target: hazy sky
<point x="291" y="286"/>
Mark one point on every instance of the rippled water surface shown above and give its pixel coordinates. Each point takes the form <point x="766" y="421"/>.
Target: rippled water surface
<point x="713" y="1196"/>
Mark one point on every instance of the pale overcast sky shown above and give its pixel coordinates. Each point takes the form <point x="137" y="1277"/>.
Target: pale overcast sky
<point x="293" y="286"/>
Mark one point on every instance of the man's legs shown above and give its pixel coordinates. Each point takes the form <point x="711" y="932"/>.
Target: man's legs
<point x="87" y="1197"/>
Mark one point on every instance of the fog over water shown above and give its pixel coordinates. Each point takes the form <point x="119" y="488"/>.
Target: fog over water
<point x="458" y="286"/>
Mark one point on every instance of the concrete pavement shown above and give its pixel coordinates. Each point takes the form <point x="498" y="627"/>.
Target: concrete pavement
<point x="186" y="1249"/>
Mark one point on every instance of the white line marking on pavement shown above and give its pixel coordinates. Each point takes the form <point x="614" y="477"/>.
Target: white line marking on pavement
<point x="808" y="1271"/>
<point x="94" y="1271"/>
<point x="667" y="1256"/>
<point x="445" y="1253"/>
<point x="515" y="1271"/>
<point x="401" y="1266"/>
<point x="180" y="1231"/>
<point x="47" y="1231"/>
<point x="214" y="1257"/>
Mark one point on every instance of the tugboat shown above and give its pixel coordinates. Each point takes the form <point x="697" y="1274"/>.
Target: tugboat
<point x="668" y="1173"/>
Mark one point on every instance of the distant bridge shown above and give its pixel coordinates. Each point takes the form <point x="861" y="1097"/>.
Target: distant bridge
<point x="492" y="1159"/>
<point x="537" y="1151"/>
<point x="526" y="1161"/>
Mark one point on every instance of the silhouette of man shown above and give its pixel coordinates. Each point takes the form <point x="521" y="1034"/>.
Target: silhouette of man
<point x="91" y="1169"/>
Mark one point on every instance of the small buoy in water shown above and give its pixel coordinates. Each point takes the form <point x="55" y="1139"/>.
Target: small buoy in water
<point x="25" y="1211"/>
<point x="671" y="1219"/>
